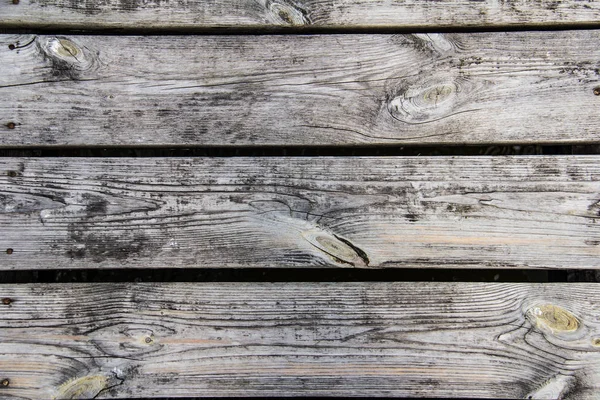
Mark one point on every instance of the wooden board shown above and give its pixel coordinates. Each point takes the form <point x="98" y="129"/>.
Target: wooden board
<point x="493" y="212"/>
<point x="536" y="341"/>
<point x="271" y="14"/>
<point x="531" y="87"/>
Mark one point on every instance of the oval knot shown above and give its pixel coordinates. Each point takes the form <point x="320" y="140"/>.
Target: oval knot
<point x="69" y="59"/>
<point x="86" y="387"/>
<point x="555" y="319"/>
<point x="284" y="13"/>
<point x="426" y="101"/>
<point x="339" y="249"/>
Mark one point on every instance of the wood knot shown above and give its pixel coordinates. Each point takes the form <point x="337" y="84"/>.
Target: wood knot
<point x="439" y="43"/>
<point x="339" y="249"/>
<point x="425" y="101"/>
<point x="557" y="387"/>
<point x="68" y="59"/>
<point x="129" y="341"/>
<point x="86" y="387"/>
<point x="282" y="12"/>
<point x="553" y="319"/>
<point x="65" y="49"/>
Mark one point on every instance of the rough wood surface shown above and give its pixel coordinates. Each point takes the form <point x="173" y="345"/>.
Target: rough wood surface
<point x="538" y="212"/>
<point x="536" y="341"/>
<point x="269" y="14"/>
<point x="521" y="87"/>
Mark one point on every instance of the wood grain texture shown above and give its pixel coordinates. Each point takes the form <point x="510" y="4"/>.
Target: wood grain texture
<point x="493" y="212"/>
<point x="272" y="14"/>
<point x="536" y="341"/>
<point x="515" y="87"/>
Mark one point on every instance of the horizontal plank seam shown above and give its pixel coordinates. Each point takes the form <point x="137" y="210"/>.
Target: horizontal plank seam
<point x="299" y="151"/>
<point x="83" y="29"/>
<point x="512" y="275"/>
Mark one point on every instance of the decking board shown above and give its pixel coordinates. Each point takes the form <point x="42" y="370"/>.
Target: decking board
<point x="201" y="15"/>
<point x="483" y="340"/>
<point x="300" y="90"/>
<point x="339" y="212"/>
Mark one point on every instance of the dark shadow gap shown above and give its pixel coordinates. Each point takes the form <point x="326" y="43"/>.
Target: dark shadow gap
<point x="284" y="275"/>
<point x="302" y="398"/>
<point x="312" y="151"/>
<point x="83" y="29"/>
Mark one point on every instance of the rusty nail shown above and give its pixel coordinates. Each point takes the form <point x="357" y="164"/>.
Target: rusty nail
<point x="11" y="125"/>
<point x="5" y="382"/>
<point x="148" y="339"/>
<point x="6" y="301"/>
<point x="597" y="91"/>
<point x="11" y="174"/>
<point x="9" y="251"/>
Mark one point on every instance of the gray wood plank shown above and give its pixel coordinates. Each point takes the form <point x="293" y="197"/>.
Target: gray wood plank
<point x="270" y="14"/>
<point x="536" y="341"/>
<point x="515" y="87"/>
<point x="361" y="212"/>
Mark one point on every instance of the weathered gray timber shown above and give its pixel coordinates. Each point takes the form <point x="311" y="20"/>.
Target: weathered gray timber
<point x="519" y="87"/>
<point x="364" y="212"/>
<point x="64" y="341"/>
<point x="192" y="15"/>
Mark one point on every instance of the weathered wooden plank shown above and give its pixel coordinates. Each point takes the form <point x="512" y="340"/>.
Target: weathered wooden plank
<point x="493" y="212"/>
<point x="536" y="341"/>
<point x="300" y="90"/>
<point x="270" y="14"/>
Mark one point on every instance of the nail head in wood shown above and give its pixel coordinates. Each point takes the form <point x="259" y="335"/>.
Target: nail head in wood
<point x="6" y="301"/>
<point x="597" y="91"/>
<point x="11" y="174"/>
<point x="12" y="47"/>
<point x="11" y="125"/>
<point x="5" y="382"/>
<point x="15" y="1"/>
<point x="9" y="251"/>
